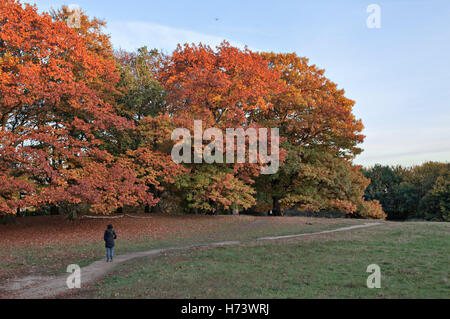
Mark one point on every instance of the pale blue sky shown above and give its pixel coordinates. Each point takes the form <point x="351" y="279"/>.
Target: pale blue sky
<point x="399" y="75"/>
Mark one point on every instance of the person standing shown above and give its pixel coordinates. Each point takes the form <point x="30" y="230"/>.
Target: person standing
<point x="109" y="237"/>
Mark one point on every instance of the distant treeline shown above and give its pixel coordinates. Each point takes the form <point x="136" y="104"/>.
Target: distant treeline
<point x="419" y="192"/>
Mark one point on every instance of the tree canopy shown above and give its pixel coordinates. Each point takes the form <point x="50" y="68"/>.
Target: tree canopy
<point x="82" y="126"/>
<point x="420" y="191"/>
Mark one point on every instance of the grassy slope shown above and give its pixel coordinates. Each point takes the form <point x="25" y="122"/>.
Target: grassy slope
<point x="414" y="261"/>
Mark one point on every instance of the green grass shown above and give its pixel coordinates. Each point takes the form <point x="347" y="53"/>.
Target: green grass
<point x="52" y="259"/>
<point x="414" y="261"/>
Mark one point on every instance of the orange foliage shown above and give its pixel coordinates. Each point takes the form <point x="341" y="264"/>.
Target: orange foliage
<point x="57" y="87"/>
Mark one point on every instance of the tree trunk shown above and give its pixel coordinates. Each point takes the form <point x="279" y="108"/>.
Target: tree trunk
<point x="155" y="209"/>
<point x="19" y="212"/>
<point x="73" y="215"/>
<point x="235" y="209"/>
<point x="54" y="210"/>
<point x="276" y="207"/>
<point x="157" y="194"/>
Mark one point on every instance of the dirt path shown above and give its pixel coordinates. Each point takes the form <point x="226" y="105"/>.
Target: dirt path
<point x="44" y="287"/>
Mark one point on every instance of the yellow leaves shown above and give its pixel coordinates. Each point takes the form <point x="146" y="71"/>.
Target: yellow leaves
<point x="372" y="209"/>
<point x="217" y="98"/>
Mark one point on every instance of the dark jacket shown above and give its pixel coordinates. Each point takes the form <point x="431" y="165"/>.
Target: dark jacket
<point x="109" y="238"/>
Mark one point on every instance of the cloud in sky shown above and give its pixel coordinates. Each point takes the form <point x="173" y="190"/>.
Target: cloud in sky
<point x="410" y="146"/>
<point x="130" y="35"/>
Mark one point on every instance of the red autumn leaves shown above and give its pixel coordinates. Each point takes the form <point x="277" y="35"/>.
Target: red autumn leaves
<point x="57" y="97"/>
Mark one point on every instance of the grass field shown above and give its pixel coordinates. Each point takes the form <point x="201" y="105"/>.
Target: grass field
<point x="45" y="245"/>
<point x="413" y="256"/>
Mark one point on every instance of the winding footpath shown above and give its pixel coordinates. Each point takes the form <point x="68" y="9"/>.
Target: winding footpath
<point x="45" y="287"/>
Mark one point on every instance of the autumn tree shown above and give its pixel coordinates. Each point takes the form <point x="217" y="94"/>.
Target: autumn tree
<point x="321" y="137"/>
<point x="221" y="87"/>
<point x="141" y="101"/>
<point x="57" y="102"/>
<point x="82" y="127"/>
<point x="143" y="95"/>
